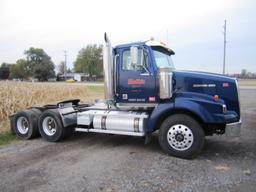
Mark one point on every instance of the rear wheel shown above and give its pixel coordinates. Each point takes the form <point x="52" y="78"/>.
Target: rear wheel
<point x="24" y="123"/>
<point x="181" y="136"/>
<point x="51" y="127"/>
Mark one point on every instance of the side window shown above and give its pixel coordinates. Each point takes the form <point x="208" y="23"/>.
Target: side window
<point x="127" y="65"/>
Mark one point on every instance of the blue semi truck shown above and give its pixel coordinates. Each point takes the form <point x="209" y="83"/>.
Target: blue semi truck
<point x="144" y="93"/>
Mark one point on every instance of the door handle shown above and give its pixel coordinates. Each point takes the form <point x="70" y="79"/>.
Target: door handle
<point x="145" y="74"/>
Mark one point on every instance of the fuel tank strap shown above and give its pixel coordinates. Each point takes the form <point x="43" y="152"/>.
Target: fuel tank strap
<point x="136" y="124"/>
<point x="103" y="122"/>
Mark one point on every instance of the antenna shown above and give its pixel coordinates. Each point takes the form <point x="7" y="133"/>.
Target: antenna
<point x="167" y="39"/>
<point x="65" y="65"/>
<point x="225" y="42"/>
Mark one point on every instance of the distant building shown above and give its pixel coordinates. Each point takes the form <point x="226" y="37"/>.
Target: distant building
<point x="75" y="76"/>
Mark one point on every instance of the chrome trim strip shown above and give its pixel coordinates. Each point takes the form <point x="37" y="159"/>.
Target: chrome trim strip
<point x="136" y="104"/>
<point x="110" y="132"/>
<point x="238" y="93"/>
<point x="115" y="73"/>
<point x="233" y="129"/>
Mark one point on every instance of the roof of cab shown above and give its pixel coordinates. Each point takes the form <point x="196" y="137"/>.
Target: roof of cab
<point x="130" y="44"/>
<point x="148" y="43"/>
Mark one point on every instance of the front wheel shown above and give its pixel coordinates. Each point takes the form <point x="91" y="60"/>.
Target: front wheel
<point x="181" y="136"/>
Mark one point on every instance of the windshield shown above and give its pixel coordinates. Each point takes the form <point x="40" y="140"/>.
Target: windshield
<point x="162" y="58"/>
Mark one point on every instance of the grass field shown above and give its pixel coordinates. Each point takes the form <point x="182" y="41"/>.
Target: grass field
<point x="15" y="96"/>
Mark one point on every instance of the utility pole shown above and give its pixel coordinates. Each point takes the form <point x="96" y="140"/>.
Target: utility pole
<point x="225" y="42"/>
<point x="65" y="65"/>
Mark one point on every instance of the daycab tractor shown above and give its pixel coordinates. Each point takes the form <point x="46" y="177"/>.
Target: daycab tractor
<point x="144" y="93"/>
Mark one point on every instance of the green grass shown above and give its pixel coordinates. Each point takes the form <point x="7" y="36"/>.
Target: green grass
<point x="6" y="138"/>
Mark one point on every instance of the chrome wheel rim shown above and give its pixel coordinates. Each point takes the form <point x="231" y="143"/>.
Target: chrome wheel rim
<point x="49" y="126"/>
<point x="22" y="125"/>
<point x="180" y="137"/>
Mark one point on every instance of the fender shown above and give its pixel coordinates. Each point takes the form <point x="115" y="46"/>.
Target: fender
<point x="207" y="111"/>
<point x="158" y="115"/>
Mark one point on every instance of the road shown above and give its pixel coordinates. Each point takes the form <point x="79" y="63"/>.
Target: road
<point x="95" y="162"/>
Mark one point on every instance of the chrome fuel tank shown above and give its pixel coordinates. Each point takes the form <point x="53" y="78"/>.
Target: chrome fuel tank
<point x="126" y="121"/>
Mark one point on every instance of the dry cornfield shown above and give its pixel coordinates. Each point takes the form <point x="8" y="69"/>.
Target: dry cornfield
<point x="15" y="96"/>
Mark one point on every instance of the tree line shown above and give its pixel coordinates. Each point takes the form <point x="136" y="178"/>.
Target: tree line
<point x="37" y="64"/>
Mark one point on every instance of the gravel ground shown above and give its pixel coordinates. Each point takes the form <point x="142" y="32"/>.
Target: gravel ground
<point x="96" y="162"/>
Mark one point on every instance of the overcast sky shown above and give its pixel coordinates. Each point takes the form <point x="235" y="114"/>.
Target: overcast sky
<point x="193" y="29"/>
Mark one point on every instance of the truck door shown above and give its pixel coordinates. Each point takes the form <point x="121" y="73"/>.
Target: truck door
<point x="135" y="84"/>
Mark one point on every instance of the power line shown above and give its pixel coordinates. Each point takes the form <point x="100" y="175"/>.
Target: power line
<point x="225" y="42"/>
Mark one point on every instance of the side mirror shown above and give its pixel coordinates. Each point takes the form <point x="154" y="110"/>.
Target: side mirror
<point x="134" y="51"/>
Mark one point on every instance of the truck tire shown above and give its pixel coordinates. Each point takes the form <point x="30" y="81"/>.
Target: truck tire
<point x="24" y="123"/>
<point x="181" y="136"/>
<point x="51" y="127"/>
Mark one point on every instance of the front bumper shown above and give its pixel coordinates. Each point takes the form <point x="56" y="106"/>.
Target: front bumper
<point x="233" y="129"/>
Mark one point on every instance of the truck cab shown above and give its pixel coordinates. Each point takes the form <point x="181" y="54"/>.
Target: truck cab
<point x="145" y="76"/>
<point x="137" y="80"/>
<point x="144" y="93"/>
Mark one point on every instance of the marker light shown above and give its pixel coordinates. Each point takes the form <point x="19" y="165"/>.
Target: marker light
<point x="163" y="43"/>
<point x="224" y="107"/>
<point x="216" y="98"/>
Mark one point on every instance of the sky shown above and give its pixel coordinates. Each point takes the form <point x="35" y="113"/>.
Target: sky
<point x="193" y="29"/>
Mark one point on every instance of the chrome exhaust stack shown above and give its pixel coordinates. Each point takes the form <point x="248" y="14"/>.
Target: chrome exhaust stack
<point x="108" y="69"/>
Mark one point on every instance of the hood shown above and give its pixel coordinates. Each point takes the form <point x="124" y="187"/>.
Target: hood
<point x="210" y="84"/>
